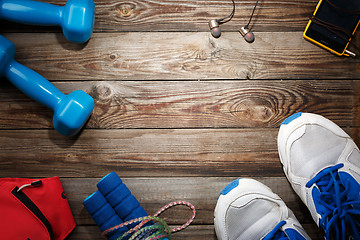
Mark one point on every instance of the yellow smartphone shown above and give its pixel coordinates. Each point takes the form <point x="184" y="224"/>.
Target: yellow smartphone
<point x="333" y="24"/>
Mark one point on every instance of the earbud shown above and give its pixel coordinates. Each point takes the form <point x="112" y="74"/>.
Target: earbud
<point x="245" y="32"/>
<point x="215" y="28"/>
<point x="247" y="35"/>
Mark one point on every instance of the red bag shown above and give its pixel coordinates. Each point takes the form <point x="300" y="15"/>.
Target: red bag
<point x="38" y="211"/>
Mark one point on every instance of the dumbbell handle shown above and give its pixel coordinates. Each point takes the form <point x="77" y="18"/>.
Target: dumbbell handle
<point x="31" y="12"/>
<point x="34" y="85"/>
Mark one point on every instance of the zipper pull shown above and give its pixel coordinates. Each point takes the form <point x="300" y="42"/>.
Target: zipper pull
<point x="33" y="184"/>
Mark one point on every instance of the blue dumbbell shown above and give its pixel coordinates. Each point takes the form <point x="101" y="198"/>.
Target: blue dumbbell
<point x="120" y="198"/>
<point x="70" y="111"/>
<point x="76" y="18"/>
<point x="104" y="215"/>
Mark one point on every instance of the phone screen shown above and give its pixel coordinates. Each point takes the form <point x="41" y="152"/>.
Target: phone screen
<point x="330" y="14"/>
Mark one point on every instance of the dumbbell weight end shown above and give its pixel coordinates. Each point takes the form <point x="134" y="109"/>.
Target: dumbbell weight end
<point x="76" y="18"/>
<point x="72" y="112"/>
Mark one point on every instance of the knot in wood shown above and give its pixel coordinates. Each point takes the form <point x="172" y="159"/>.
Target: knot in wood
<point x="101" y="92"/>
<point x="254" y="110"/>
<point x="125" y="11"/>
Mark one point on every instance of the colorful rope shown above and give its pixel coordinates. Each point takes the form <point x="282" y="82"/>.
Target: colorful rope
<point x="158" y="230"/>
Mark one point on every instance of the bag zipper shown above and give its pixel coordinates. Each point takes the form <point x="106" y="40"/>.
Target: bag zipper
<point x="34" y="209"/>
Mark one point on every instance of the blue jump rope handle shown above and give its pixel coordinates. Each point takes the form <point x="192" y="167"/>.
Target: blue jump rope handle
<point x="114" y="194"/>
<point x="120" y="198"/>
<point x="31" y="12"/>
<point x="104" y="215"/>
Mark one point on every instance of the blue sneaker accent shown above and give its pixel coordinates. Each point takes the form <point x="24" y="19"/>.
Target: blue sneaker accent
<point x="288" y="234"/>
<point x="276" y="233"/>
<point x="293" y="234"/>
<point x="337" y="200"/>
<point x="230" y="187"/>
<point x="291" y="118"/>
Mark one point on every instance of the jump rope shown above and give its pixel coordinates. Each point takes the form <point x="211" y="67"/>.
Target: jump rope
<point x="158" y="230"/>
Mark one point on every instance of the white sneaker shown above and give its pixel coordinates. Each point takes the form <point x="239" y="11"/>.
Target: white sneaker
<point x="248" y="210"/>
<point x="322" y="164"/>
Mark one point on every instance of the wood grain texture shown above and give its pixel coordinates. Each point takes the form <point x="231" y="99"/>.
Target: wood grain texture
<point x="175" y="56"/>
<point x="188" y="16"/>
<point x="198" y="232"/>
<point x="178" y="114"/>
<point x="142" y="152"/>
<point x="153" y="193"/>
<point x="194" y="104"/>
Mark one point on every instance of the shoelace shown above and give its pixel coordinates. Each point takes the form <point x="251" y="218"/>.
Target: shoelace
<point x="158" y="230"/>
<point x="277" y="233"/>
<point x="340" y="219"/>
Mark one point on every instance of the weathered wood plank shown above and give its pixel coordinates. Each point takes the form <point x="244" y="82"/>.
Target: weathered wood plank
<point x="153" y="193"/>
<point x="172" y="56"/>
<point x="194" y="232"/>
<point x="198" y="232"/>
<point x="142" y="152"/>
<point x="188" y="16"/>
<point x="203" y="104"/>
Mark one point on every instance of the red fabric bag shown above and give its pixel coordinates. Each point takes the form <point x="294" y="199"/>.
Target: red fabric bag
<point x="38" y="211"/>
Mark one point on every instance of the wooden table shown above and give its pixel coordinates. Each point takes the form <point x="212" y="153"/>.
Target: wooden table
<point x="178" y="114"/>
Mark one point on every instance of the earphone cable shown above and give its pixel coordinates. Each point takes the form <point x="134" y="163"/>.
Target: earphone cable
<point x="335" y="30"/>
<point x="330" y="26"/>
<point x="252" y="14"/>
<point x="227" y="18"/>
<point x="356" y="12"/>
